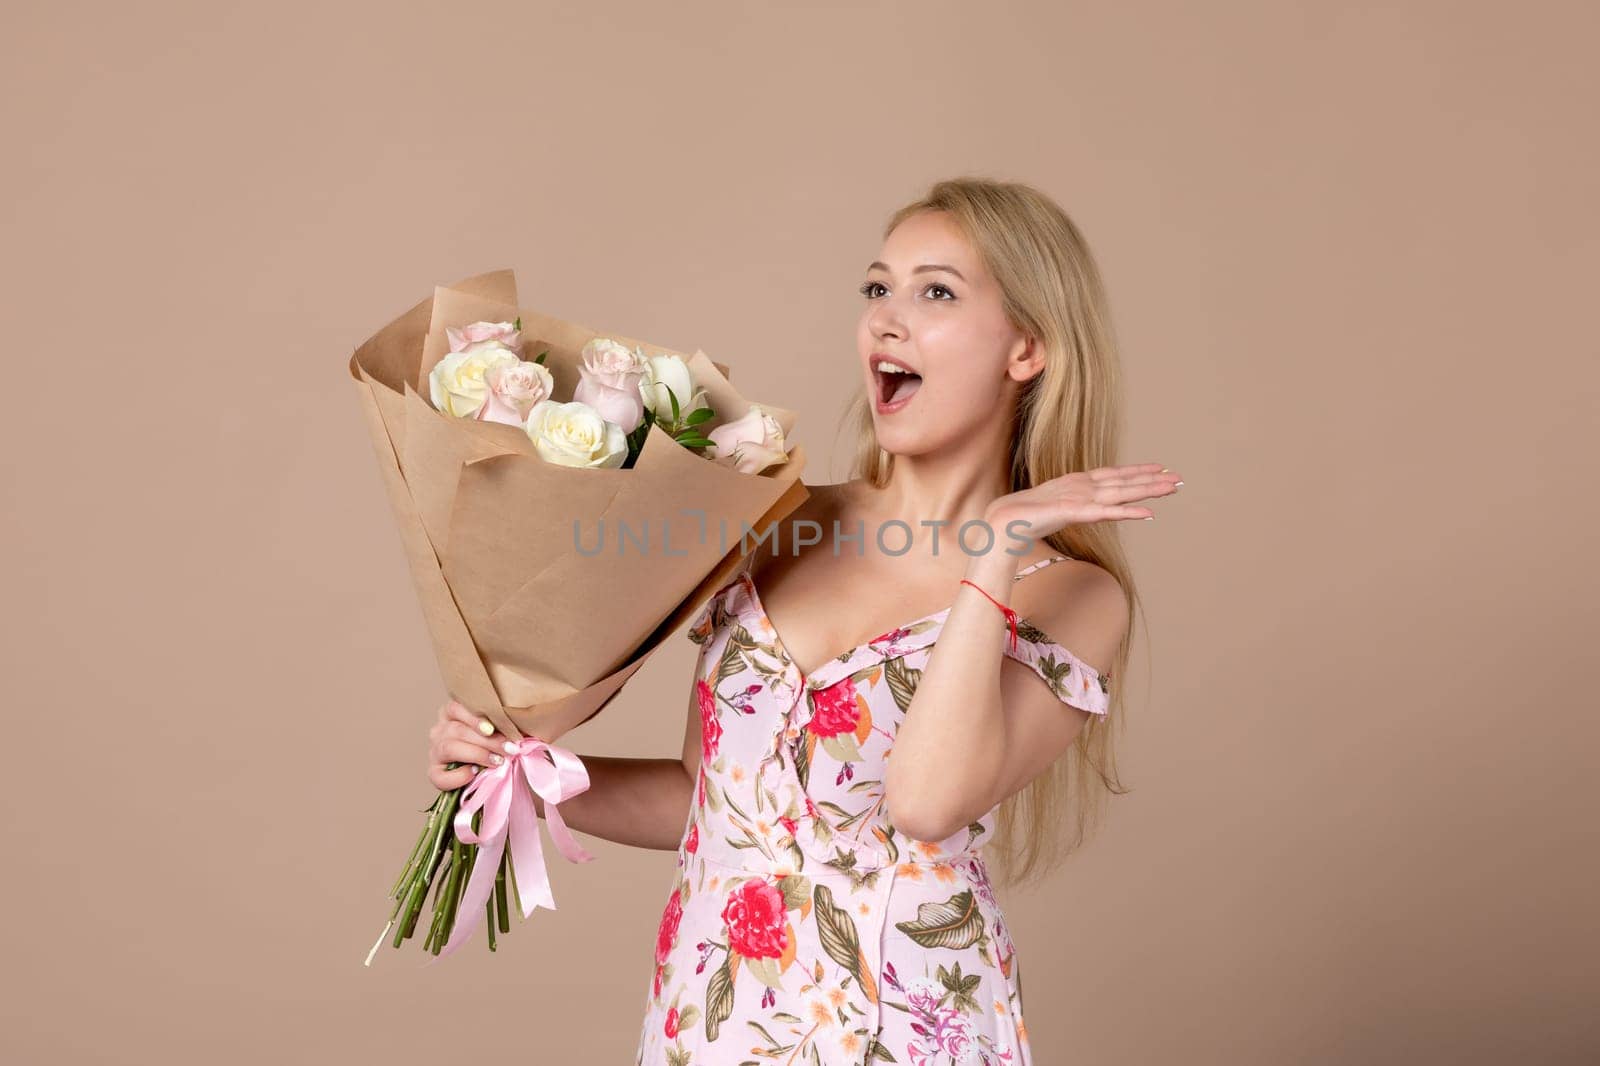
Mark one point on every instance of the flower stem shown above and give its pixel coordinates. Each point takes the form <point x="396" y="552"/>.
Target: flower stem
<point x="429" y="869"/>
<point x="441" y="881"/>
<point x="502" y="911"/>
<point x="469" y="855"/>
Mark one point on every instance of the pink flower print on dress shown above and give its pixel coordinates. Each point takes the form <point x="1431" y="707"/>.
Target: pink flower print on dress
<point x="836" y="710"/>
<point x="756" y="920"/>
<point x="667" y="934"/>
<point x="710" y="725"/>
<point x="923" y="995"/>
<point x="954" y="1032"/>
<point x="841" y="722"/>
<point x="691" y="844"/>
<point x="886" y="641"/>
<point x="743" y="700"/>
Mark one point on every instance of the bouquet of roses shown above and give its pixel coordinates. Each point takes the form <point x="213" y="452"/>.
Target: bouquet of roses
<point x="491" y="479"/>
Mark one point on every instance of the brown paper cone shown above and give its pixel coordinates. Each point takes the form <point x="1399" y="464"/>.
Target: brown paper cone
<point x="533" y="627"/>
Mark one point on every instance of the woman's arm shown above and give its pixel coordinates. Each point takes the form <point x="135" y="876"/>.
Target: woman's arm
<point x="976" y="730"/>
<point x="643" y="803"/>
<point x="974" y="733"/>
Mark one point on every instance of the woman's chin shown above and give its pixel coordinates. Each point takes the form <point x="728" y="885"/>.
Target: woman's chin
<point x="898" y="440"/>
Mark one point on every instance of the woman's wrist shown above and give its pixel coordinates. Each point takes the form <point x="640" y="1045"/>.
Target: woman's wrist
<point x="993" y="570"/>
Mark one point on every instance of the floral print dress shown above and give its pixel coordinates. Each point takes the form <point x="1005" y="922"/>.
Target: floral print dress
<point x="801" y="926"/>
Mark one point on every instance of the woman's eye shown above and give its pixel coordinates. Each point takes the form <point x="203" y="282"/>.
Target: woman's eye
<point x="869" y="288"/>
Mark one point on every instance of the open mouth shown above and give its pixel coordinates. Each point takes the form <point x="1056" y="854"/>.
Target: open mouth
<point x="895" y="384"/>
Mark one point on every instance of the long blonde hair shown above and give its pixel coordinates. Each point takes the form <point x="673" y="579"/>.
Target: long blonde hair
<point x="1068" y="419"/>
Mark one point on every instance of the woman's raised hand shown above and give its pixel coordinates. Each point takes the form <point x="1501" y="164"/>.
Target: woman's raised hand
<point x="1104" y="494"/>
<point x="460" y="736"/>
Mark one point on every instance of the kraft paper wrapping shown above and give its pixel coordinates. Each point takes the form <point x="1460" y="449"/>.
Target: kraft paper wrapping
<point x="529" y="630"/>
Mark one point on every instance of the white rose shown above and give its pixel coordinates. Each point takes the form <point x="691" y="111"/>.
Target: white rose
<point x="749" y="444"/>
<point x="456" y="384"/>
<point x="574" y="434"/>
<point x="513" y="390"/>
<point x="665" y="372"/>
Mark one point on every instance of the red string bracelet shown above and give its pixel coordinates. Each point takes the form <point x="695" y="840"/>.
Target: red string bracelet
<point x="1011" y="616"/>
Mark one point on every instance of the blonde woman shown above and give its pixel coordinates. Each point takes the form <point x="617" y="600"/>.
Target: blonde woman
<point x="963" y="603"/>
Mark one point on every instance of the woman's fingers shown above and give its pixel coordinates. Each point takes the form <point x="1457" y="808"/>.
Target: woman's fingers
<point x="1115" y="473"/>
<point x="1125" y="493"/>
<point x="1143" y="486"/>
<point x="456" y="711"/>
<point x="460" y="749"/>
<point x="497" y="744"/>
<point x="450" y="780"/>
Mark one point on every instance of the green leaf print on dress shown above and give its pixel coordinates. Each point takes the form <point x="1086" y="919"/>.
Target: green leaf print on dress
<point x="955" y="923"/>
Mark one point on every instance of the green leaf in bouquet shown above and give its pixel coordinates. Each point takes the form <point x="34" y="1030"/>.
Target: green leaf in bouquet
<point x="690" y="439"/>
<point x="635" y="440"/>
<point x="699" y="415"/>
<point x="540" y="357"/>
<point x="517" y="325"/>
<point x="676" y="416"/>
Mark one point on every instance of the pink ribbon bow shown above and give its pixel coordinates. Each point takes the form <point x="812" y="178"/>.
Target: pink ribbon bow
<point x="502" y="794"/>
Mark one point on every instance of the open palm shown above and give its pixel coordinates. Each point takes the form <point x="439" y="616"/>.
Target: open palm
<point x="1104" y="494"/>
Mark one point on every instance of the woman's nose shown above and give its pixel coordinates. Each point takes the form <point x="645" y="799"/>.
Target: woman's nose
<point x="886" y="321"/>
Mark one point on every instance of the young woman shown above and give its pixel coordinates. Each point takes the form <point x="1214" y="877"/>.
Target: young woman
<point x="962" y="602"/>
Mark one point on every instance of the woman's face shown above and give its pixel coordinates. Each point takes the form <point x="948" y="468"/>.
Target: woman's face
<point x="932" y="307"/>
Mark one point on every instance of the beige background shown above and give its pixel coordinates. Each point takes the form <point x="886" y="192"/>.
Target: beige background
<point x="1348" y="248"/>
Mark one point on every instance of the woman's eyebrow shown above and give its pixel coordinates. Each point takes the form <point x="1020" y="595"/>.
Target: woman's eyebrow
<point x="924" y="268"/>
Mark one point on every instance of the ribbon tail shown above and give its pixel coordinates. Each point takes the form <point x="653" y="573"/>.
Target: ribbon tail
<point x="571" y="779"/>
<point x="527" y="853"/>
<point x="564" y="841"/>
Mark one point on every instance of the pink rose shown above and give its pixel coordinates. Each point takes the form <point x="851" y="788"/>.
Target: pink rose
<point x="609" y="377"/>
<point x="513" y="390"/>
<point x="835" y="710"/>
<point x="477" y="334"/>
<point x="749" y="444"/>
<point x="756" y="920"/>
